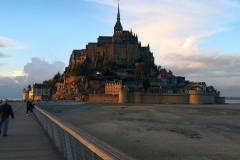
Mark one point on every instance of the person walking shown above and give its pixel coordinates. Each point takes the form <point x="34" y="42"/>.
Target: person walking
<point x="5" y="111"/>
<point x="28" y="105"/>
<point x="32" y="106"/>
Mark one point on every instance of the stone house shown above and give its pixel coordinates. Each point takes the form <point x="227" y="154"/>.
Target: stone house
<point x="113" y="87"/>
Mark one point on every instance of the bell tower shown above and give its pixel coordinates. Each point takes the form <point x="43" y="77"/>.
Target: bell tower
<point x="118" y="28"/>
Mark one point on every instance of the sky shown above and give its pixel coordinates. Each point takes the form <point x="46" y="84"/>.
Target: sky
<point x="197" y="39"/>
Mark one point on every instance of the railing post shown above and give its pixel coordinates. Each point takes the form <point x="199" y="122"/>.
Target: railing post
<point x="68" y="146"/>
<point x="50" y="129"/>
<point x="56" y="137"/>
<point x="83" y="156"/>
<point x="74" y="150"/>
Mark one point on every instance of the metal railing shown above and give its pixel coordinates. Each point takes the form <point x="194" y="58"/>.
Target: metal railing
<point x="75" y="144"/>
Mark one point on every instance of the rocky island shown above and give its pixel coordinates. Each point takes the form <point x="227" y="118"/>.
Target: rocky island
<point x="118" y="69"/>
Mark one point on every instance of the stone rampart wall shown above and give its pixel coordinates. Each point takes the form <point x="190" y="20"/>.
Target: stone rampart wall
<point x="198" y="97"/>
<point x="208" y="98"/>
<point x="160" y="98"/>
<point x="220" y="100"/>
<point x="102" y="98"/>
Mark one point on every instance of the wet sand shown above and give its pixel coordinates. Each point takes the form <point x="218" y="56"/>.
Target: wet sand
<point x="158" y="131"/>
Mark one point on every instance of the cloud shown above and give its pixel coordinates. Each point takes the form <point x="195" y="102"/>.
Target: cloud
<point x="1" y="64"/>
<point x="6" y="43"/>
<point x="9" y="88"/>
<point x="39" y="70"/>
<point x="36" y="71"/>
<point x="4" y="56"/>
<point x="19" y="73"/>
<point x="20" y="79"/>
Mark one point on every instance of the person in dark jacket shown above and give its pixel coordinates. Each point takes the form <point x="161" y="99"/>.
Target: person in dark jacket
<point x="28" y="105"/>
<point x="5" y="111"/>
<point x="32" y="106"/>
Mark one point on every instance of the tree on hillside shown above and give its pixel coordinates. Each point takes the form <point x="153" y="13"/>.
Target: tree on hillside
<point x="142" y="69"/>
<point x="57" y="76"/>
<point x="145" y="80"/>
<point x="80" y="70"/>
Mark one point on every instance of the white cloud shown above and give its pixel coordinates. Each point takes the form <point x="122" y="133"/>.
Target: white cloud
<point x="6" y="43"/>
<point x="19" y="73"/>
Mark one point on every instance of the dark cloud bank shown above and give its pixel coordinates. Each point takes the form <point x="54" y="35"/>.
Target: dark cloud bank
<point x="38" y="70"/>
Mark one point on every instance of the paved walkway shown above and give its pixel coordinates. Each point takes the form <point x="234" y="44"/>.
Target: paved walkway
<point x="27" y="139"/>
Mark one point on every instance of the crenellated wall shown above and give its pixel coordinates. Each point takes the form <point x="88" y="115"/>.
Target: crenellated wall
<point x="194" y="97"/>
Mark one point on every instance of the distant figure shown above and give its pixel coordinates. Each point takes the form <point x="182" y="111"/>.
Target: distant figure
<point x="28" y="105"/>
<point x="5" y="111"/>
<point x="32" y="106"/>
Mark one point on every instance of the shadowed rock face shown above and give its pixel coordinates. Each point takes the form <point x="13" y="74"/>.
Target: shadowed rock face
<point x="154" y="131"/>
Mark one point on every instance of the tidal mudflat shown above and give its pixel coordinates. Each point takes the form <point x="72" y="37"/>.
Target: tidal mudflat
<point x="158" y="131"/>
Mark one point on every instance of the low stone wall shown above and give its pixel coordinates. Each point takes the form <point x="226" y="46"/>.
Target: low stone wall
<point x="195" y="97"/>
<point x="162" y="98"/>
<point x="104" y="98"/>
<point x="220" y="100"/>
<point x="198" y="97"/>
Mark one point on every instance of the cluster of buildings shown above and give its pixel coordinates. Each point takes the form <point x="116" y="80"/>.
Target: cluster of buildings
<point x="36" y="92"/>
<point x="166" y="83"/>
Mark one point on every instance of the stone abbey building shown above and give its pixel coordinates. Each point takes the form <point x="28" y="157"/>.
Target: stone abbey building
<point x="123" y="48"/>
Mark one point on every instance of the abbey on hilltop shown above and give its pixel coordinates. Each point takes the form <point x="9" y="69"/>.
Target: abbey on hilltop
<point x="117" y="69"/>
<point x="123" y="48"/>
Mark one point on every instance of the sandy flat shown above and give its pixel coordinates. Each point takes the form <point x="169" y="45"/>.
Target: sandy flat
<point x="158" y="131"/>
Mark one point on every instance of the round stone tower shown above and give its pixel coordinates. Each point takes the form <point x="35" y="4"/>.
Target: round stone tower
<point x="26" y="93"/>
<point x="196" y="97"/>
<point x="122" y="96"/>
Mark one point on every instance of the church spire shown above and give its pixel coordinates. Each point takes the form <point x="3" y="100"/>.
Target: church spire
<point x="118" y="15"/>
<point x="118" y="23"/>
